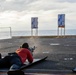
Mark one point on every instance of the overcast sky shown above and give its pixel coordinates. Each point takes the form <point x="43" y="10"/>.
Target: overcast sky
<point x="17" y="13"/>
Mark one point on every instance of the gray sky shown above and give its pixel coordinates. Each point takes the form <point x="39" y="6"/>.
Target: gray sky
<point x="17" y="13"/>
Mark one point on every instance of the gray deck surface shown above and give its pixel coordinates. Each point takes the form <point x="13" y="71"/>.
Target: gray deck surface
<point x="61" y="53"/>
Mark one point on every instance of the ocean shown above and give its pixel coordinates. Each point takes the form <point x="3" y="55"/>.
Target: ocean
<point x="44" y="33"/>
<point x="7" y="34"/>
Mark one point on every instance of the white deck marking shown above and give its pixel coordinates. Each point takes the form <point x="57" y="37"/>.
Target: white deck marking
<point x="68" y="58"/>
<point x="45" y="52"/>
<point x="54" y="44"/>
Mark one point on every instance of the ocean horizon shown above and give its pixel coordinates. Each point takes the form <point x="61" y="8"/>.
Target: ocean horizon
<point x="44" y="32"/>
<point x="7" y="34"/>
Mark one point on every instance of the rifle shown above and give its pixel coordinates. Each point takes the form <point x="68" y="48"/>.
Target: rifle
<point x="31" y="49"/>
